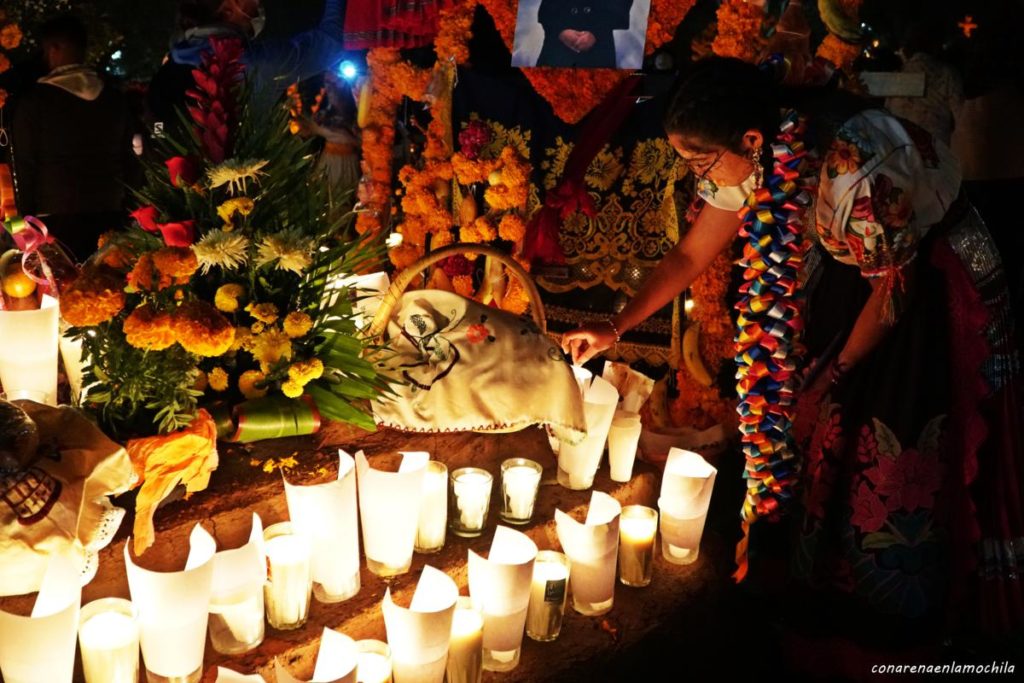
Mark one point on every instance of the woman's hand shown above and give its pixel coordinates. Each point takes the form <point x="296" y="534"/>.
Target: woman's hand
<point x="589" y="340"/>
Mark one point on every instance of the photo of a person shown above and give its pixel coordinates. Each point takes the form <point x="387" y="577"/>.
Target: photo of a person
<point x="581" y="33"/>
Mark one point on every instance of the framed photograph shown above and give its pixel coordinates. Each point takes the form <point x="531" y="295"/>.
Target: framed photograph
<point x="581" y="33"/>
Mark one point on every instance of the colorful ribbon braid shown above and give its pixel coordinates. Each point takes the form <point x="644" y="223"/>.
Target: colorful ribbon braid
<point x="769" y="324"/>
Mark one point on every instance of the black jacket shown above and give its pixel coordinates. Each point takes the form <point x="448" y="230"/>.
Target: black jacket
<point x="599" y="17"/>
<point x="72" y="153"/>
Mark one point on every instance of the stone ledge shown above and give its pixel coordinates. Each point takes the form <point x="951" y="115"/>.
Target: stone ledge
<point x="239" y="488"/>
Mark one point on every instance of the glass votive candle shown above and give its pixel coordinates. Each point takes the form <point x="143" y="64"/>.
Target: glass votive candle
<point x="638" y="527"/>
<point x="374" y="662"/>
<point x="623" y="437"/>
<point x="108" y="636"/>
<point x="289" y="581"/>
<point x="466" y="647"/>
<point x="548" y="593"/>
<point x="470" y="501"/>
<point x="237" y="620"/>
<point x="520" y="479"/>
<point x="433" y="520"/>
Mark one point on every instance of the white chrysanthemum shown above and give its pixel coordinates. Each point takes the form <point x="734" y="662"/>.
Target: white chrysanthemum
<point x="288" y="249"/>
<point x="234" y="173"/>
<point x="229" y="250"/>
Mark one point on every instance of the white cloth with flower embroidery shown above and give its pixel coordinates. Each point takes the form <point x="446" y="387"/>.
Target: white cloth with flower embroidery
<point x="461" y="366"/>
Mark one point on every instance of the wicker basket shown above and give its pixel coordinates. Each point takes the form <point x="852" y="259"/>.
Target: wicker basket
<point x="405" y="278"/>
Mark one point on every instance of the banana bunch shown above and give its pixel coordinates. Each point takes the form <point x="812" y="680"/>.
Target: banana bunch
<point x="838" y="22"/>
<point x="691" y="356"/>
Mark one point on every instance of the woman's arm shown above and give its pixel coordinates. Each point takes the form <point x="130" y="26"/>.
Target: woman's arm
<point x="871" y="326"/>
<point x="713" y="231"/>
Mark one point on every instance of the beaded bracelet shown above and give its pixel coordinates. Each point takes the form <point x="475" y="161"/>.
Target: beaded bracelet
<point x="611" y="324"/>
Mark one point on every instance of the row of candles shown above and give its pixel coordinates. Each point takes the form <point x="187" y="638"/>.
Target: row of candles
<point x="516" y="589"/>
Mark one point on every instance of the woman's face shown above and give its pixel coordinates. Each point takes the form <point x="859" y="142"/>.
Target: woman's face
<point x="722" y="166"/>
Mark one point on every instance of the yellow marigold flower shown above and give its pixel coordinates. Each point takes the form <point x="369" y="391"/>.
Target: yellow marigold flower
<point x="240" y="206"/>
<point x="297" y="324"/>
<point x="247" y="384"/>
<point x="243" y="339"/>
<point x="257" y="327"/>
<point x="270" y="347"/>
<point x="218" y="379"/>
<point x="149" y="328"/>
<point x="177" y="262"/>
<point x="265" y="313"/>
<point x="227" y="296"/>
<point x="94" y="297"/>
<point x="291" y="389"/>
<point x="202" y="330"/>
<point x="512" y="228"/>
<point x="305" y="372"/>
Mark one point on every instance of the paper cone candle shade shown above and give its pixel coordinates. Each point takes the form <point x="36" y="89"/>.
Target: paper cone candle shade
<point x="389" y="504"/>
<point x="41" y="647"/>
<point x="578" y="464"/>
<point x="236" y="595"/>
<point x="593" y="549"/>
<point x="327" y="515"/>
<point x="686" y="489"/>
<point x="335" y="662"/>
<point x="28" y="354"/>
<point x="225" y="675"/>
<point x="74" y="366"/>
<point x="419" y="635"/>
<point x="173" y="610"/>
<point x="501" y="584"/>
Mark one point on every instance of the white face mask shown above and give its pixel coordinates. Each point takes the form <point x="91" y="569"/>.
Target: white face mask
<point x="729" y="197"/>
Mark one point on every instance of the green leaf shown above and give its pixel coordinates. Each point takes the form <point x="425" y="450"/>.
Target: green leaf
<point x="879" y="540"/>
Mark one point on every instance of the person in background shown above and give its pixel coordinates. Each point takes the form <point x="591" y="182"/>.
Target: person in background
<point x="579" y="32"/>
<point x="72" y="143"/>
<point x="336" y="124"/>
<point x="936" y="110"/>
<point x="271" y="65"/>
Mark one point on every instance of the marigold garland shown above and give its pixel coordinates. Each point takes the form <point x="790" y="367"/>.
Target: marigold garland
<point x="839" y="52"/>
<point x="739" y="30"/>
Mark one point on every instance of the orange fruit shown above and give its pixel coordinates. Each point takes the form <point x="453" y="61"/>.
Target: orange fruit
<point x="16" y="284"/>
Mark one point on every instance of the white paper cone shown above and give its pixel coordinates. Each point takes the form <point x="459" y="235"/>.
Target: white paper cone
<point x="236" y="592"/>
<point x="578" y="464"/>
<point x="501" y="584"/>
<point x="173" y="608"/>
<point x="593" y="549"/>
<point x="623" y="438"/>
<point x="28" y="354"/>
<point x="687" y="484"/>
<point x="389" y="504"/>
<point x="229" y="676"/>
<point x="419" y="635"/>
<point x="327" y="515"/>
<point x="71" y="355"/>
<point x="335" y="662"/>
<point x="41" y="648"/>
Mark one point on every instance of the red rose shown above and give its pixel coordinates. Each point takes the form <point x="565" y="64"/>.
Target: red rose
<point x="178" y="234"/>
<point x="146" y="217"/>
<point x="183" y="171"/>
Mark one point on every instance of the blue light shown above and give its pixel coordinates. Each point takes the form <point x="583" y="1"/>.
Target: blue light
<point x="348" y="70"/>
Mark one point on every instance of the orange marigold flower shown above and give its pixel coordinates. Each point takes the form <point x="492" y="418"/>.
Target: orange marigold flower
<point x="265" y="313"/>
<point x="247" y="384"/>
<point x="95" y="297"/>
<point x="404" y="255"/>
<point x="10" y="36"/>
<point x="144" y="276"/>
<point x="201" y="329"/>
<point x="485" y="230"/>
<point x="177" y="262"/>
<point x="512" y="227"/>
<point x="463" y="285"/>
<point x="297" y="324"/>
<point x="149" y="328"/>
<point x="218" y="379"/>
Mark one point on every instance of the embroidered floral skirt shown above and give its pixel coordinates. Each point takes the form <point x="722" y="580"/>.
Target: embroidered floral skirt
<point x="911" y="515"/>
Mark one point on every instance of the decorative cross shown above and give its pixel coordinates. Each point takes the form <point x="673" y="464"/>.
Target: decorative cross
<point x="968" y="25"/>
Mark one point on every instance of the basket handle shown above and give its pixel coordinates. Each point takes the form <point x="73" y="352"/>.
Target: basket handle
<point x="403" y="279"/>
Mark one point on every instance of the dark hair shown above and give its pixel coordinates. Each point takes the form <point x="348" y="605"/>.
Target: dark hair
<point x="195" y="13"/>
<point x="67" y="30"/>
<point x="721" y="98"/>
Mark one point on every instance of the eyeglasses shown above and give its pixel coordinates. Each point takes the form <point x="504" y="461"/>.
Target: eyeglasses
<point x="699" y="166"/>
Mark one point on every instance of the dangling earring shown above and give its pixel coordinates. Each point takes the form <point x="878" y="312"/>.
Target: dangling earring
<point x="755" y="159"/>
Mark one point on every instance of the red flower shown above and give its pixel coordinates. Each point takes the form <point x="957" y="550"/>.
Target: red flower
<point x="457" y="265"/>
<point x="178" y="234"/>
<point x="183" y="171"/>
<point x="869" y="513"/>
<point x="146" y="217"/>
<point x="909" y="481"/>
<point x="474" y="138"/>
<point x="477" y="333"/>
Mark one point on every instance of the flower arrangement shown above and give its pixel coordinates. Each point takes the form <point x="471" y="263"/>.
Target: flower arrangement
<point x="10" y="39"/>
<point x="220" y="290"/>
<point x="739" y="30"/>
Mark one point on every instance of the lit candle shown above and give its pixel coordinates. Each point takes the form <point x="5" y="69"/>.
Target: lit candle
<point x="433" y="520"/>
<point x="236" y="621"/>
<point x="289" y="582"/>
<point x="548" y="593"/>
<point x="623" y="438"/>
<point x="109" y="639"/>
<point x="519" y="481"/>
<point x="638" y="526"/>
<point x="471" y="497"/>
<point x="374" y="662"/>
<point x="465" y="649"/>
